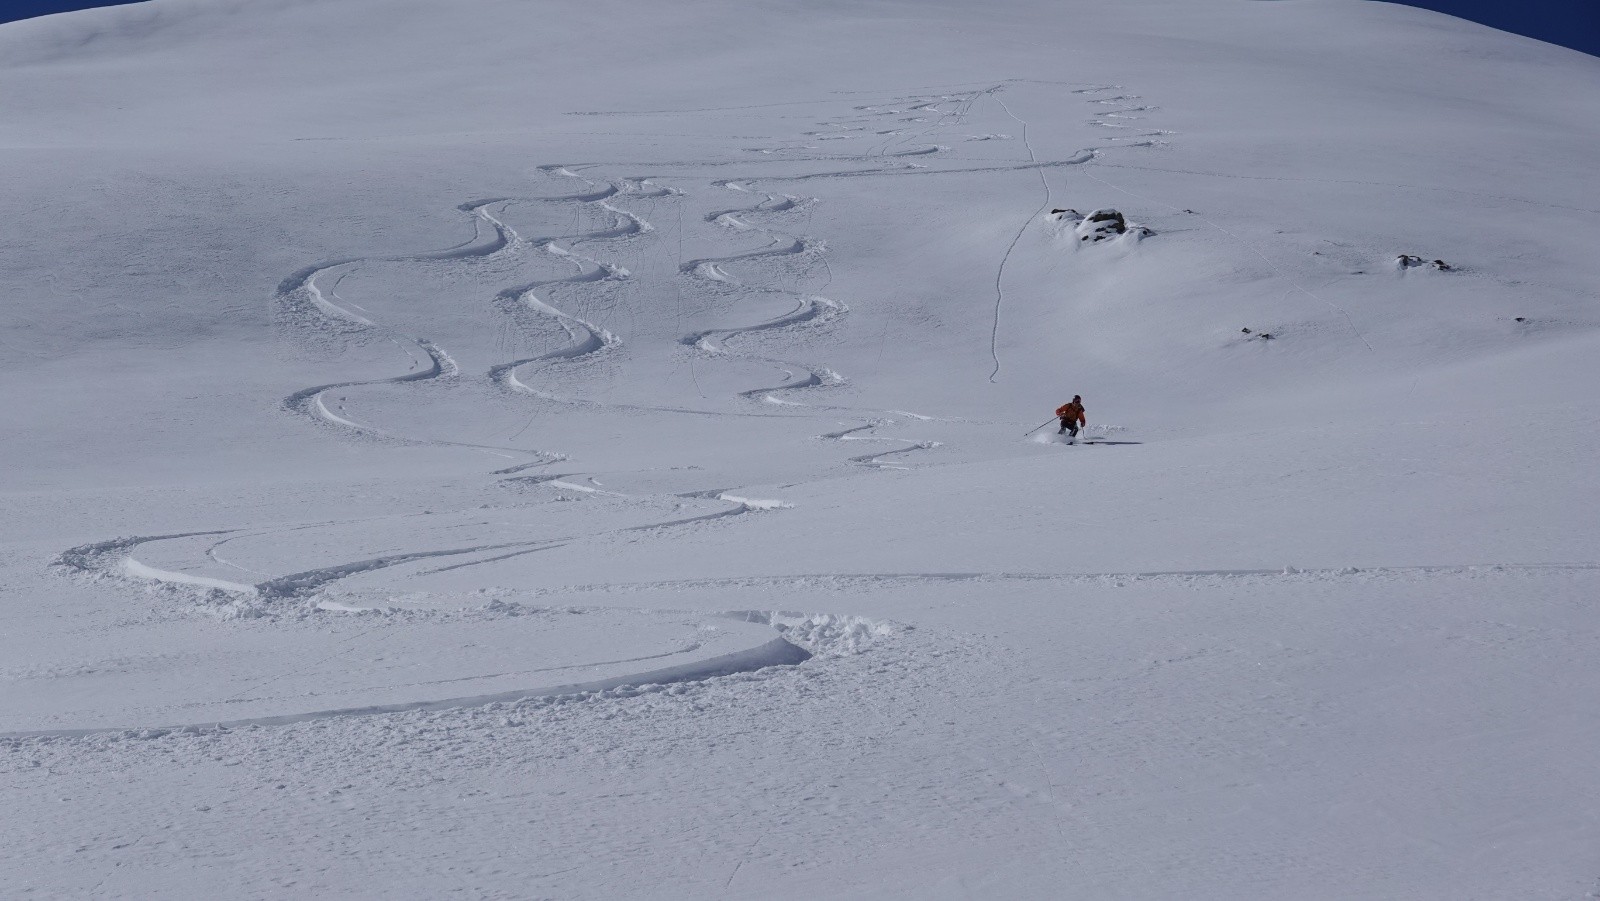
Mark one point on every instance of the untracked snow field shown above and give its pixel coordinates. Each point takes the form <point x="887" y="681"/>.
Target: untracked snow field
<point x="540" y="449"/>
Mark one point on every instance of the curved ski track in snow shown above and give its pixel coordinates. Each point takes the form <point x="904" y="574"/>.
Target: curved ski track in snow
<point x="810" y="310"/>
<point x="798" y="637"/>
<point x="1000" y="272"/>
<point x="875" y="460"/>
<point x="114" y="558"/>
<point x="588" y="340"/>
<point x="310" y="401"/>
<point x="301" y="295"/>
<point x="109" y="558"/>
<point x="777" y="652"/>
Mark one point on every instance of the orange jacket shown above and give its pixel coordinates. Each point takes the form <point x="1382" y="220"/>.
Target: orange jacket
<point x="1070" y="411"/>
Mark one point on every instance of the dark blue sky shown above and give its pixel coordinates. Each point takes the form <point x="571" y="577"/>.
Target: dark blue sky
<point x="1573" y="23"/>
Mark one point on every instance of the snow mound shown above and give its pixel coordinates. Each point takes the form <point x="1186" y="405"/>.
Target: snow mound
<point x="823" y="634"/>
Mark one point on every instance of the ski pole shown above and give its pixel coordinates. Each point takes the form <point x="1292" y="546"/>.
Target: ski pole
<point x="1038" y="427"/>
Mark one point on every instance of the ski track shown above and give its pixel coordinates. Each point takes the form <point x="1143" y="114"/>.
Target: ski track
<point x="310" y="401"/>
<point x="106" y="558"/>
<point x="305" y="301"/>
<point x="1000" y="272"/>
<point x="302" y="294"/>
<point x="302" y="289"/>
<point x="847" y="582"/>
<point x="810" y="310"/>
<point x="777" y="652"/>
<point x="114" y="558"/>
<point x="875" y="460"/>
<point x="588" y="341"/>
<point x="798" y="637"/>
<point x="801" y="636"/>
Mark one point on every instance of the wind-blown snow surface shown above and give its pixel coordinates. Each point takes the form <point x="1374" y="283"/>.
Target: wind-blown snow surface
<point x="577" y="450"/>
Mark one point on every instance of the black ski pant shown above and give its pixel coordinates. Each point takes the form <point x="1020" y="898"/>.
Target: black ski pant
<point x="1069" y="425"/>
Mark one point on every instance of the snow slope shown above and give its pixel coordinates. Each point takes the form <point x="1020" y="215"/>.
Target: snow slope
<point x="577" y="450"/>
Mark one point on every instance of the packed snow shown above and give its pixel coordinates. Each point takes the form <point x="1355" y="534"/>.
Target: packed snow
<point x="582" y="450"/>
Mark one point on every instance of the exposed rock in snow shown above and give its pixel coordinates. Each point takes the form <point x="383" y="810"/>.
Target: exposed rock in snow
<point x="1407" y="261"/>
<point x="1099" y="225"/>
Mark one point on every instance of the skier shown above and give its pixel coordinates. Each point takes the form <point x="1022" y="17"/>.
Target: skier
<point x="1072" y="416"/>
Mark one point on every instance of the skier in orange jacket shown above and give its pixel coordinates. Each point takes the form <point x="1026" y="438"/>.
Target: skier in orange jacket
<point x="1072" y="417"/>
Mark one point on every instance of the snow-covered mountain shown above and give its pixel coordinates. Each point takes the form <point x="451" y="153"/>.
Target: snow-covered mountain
<point x="555" y="449"/>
